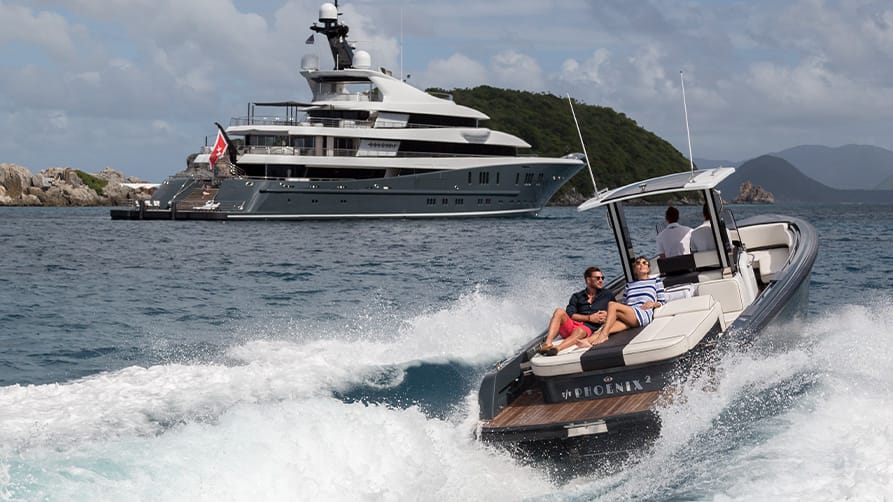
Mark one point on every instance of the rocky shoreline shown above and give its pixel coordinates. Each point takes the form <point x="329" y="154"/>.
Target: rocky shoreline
<point x="66" y="186"/>
<point x="749" y="193"/>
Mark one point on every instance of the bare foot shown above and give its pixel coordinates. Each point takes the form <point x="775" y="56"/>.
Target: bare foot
<point x="597" y="338"/>
<point x="584" y="343"/>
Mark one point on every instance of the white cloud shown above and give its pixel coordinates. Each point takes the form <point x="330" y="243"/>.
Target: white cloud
<point x="46" y="30"/>
<point x="454" y="72"/>
<point x="514" y="70"/>
<point x="592" y="71"/>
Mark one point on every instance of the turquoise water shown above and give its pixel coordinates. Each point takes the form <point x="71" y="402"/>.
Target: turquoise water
<point x="340" y="361"/>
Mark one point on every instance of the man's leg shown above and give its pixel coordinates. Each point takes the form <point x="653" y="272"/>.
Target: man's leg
<point x="558" y="318"/>
<point x="576" y="335"/>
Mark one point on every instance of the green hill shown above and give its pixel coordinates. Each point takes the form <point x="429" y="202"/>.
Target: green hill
<point x="620" y="151"/>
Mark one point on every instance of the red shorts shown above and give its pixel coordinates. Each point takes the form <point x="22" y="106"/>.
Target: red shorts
<point x="569" y="325"/>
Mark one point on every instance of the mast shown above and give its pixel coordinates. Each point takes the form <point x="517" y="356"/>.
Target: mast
<point x="691" y="158"/>
<point x="336" y="33"/>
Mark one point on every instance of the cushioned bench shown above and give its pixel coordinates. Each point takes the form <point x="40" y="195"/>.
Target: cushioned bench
<point x="770" y="246"/>
<point x="677" y="327"/>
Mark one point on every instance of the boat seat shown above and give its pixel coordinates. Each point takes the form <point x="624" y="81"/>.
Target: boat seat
<point x="769" y="262"/>
<point x="677" y="327"/>
<point x="689" y="268"/>
<point x="728" y="293"/>
<point x="680" y="291"/>
<point x="769" y="245"/>
<point x="677" y="269"/>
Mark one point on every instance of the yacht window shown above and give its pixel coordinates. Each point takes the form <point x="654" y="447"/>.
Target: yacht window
<point x="302" y="141"/>
<point x="266" y="140"/>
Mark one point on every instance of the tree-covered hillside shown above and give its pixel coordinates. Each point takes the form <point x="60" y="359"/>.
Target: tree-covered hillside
<point x="620" y="151"/>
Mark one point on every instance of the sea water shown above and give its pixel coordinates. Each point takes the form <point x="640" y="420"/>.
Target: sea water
<point x="160" y="360"/>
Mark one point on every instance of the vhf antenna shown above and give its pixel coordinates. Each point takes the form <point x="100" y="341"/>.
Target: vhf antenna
<point x="687" y="131"/>
<point x="594" y="187"/>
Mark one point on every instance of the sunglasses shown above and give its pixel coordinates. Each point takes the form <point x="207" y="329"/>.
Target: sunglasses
<point x="643" y="262"/>
<point x="597" y="277"/>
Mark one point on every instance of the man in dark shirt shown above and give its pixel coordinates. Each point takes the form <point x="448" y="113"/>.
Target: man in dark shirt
<point x="584" y="314"/>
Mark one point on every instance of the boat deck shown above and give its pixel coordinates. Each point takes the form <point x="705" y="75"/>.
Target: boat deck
<point x="531" y="411"/>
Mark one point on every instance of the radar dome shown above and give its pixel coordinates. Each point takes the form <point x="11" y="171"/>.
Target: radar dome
<point x="362" y="60"/>
<point x="310" y="62"/>
<point x="328" y="12"/>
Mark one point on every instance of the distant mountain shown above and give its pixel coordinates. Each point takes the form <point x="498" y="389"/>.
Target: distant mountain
<point x="887" y="184"/>
<point x="844" y="167"/>
<point x="788" y="184"/>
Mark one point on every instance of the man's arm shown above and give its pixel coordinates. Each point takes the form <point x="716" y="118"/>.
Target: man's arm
<point x="573" y="310"/>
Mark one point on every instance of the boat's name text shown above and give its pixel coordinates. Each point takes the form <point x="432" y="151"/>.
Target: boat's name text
<point x="608" y="389"/>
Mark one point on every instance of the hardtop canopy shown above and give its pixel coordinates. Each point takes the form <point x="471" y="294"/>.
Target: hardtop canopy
<point x="677" y="182"/>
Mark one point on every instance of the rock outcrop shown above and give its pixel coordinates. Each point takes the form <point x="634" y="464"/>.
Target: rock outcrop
<point x="749" y="193"/>
<point x="63" y="186"/>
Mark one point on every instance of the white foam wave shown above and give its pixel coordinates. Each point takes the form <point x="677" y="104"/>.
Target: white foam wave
<point x="138" y="401"/>
<point x="320" y="449"/>
<point x="809" y="423"/>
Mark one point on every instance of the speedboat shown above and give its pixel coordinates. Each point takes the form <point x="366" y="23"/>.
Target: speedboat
<point x="758" y="272"/>
<point x="368" y="144"/>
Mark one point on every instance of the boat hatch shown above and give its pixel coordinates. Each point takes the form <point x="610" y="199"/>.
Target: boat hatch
<point x="597" y="427"/>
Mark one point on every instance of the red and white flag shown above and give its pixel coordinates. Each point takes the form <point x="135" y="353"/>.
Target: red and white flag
<point x="219" y="149"/>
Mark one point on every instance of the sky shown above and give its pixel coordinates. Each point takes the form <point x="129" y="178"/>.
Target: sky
<point x="136" y="85"/>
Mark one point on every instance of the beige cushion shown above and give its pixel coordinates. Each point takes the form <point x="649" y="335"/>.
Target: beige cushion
<point x="677" y="327"/>
<point x="566" y="362"/>
<point x="671" y="336"/>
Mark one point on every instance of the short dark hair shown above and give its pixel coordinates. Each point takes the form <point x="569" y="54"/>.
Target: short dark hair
<point x="672" y="214"/>
<point x="589" y="271"/>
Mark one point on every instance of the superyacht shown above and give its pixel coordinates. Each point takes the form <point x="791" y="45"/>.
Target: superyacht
<point x="367" y="145"/>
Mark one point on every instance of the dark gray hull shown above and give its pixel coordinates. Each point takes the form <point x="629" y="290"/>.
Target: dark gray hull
<point x="500" y="190"/>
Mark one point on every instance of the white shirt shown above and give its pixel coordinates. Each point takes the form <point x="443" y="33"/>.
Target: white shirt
<point x="672" y="241"/>
<point x="702" y="238"/>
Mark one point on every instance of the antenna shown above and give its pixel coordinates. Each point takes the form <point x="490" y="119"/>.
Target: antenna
<point x="691" y="159"/>
<point x="401" y="45"/>
<point x="580" y="134"/>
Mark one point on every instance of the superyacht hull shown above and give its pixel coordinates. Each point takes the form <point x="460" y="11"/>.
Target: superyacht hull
<point x="496" y="190"/>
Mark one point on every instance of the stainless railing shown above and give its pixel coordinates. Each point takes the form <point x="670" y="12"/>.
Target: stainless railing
<point x="323" y="122"/>
<point x="211" y="205"/>
<point x="346" y="152"/>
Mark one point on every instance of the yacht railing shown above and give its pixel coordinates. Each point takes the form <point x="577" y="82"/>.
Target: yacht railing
<point x="211" y="205"/>
<point x="347" y="152"/>
<point x="322" y="122"/>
